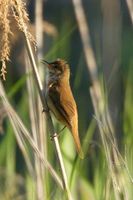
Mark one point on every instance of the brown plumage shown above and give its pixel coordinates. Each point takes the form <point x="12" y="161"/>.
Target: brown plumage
<point x="60" y="98"/>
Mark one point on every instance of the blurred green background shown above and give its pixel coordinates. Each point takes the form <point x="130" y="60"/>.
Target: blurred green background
<point x="112" y="41"/>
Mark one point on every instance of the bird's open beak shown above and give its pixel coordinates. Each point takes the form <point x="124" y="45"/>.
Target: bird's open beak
<point x="49" y="65"/>
<point x="46" y="62"/>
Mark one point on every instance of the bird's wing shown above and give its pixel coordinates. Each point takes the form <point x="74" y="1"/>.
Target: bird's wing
<point x="64" y="103"/>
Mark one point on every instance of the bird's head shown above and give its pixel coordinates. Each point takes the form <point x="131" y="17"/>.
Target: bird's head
<point x="58" y="68"/>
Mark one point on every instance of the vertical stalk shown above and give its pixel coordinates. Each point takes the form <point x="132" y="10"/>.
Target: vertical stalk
<point x="130" y="8"/>
<point x="48" y="117"/>
<point x="101" y="110"/>
<point x="42" y="137"/>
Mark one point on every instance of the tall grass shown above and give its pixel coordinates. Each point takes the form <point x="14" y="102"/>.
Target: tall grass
<point x="25" y="170"/>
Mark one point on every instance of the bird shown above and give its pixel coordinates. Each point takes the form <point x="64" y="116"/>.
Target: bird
<point x="60" y="99"/>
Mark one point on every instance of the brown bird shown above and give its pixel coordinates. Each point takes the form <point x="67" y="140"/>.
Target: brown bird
<point x="60" y="98"/>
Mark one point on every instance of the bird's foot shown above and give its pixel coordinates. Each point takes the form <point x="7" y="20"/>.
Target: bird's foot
<point x="54" y="136"/>
<point x="45" y="110"/>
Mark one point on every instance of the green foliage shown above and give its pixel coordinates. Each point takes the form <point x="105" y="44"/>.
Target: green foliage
<point x="89" y="179"/>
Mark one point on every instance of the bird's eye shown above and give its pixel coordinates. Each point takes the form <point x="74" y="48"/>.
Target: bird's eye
<point x="55" y="66"/>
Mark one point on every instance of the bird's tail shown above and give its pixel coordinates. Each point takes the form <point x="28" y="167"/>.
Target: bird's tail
<point x="77" y="143"/>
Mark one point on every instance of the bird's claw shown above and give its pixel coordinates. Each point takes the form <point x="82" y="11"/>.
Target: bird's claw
<point x="45" y="110"/>
<point x="53" y="136"/>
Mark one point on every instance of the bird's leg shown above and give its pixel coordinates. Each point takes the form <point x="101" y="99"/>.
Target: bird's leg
<point x="57" y="135"/>
<point x="61" y="130"/>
